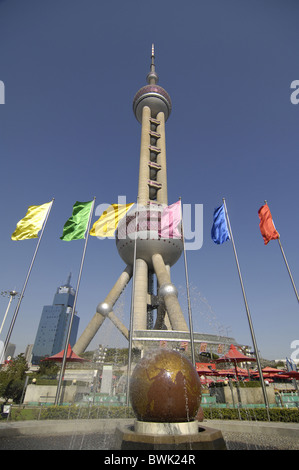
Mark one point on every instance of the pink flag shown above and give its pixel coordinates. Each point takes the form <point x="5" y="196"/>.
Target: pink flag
<point x="171" y="217"/>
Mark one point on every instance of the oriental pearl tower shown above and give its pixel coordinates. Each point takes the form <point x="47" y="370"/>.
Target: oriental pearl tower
<point x="148" y="257"/>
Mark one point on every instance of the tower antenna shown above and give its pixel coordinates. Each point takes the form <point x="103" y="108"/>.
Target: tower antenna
<point x="152" y="77"/>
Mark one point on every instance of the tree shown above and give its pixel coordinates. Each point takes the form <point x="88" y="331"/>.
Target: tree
<point x="48" y="368"/>
<point x="12" y="379"/>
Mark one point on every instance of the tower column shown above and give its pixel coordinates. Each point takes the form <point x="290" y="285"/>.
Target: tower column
<point x="161" y="160"/>
<point x="140" y="295"/>
<point x="143" y="189"/>
<point x="169" y="294"/>
<point x="105" y="309"/>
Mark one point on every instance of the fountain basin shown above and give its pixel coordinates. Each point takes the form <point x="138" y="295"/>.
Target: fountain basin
<point x="129" y="438"/>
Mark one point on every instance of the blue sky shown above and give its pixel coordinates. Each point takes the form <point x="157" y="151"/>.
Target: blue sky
<point x="71" y="70"/>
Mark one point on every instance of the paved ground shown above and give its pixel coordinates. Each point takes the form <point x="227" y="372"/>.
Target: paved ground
<point x="238" y="436"/>
<point x="96" y="441"/>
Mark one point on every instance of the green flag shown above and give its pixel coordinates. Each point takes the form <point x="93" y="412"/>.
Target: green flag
<point x="76" y="226"/>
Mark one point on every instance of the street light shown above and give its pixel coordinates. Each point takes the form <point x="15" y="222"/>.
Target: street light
<point x="11" y="294"/>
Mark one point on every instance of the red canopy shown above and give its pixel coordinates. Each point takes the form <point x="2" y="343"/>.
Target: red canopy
<point x="292" y="374"/>
<point x="234" y="355"/>
<point x="269" y="372"/>
<point x="204" y="369"/>
<point x="70" y="356"/>
<point x="232" y="372"/>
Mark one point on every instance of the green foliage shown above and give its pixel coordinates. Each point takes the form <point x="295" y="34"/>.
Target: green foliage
<point x="48" y="368"/>
<point x="70" y="412"/>
<point x="12" y="379"/>
<point x="250" y="384"/>
<point x="286" y="415"/>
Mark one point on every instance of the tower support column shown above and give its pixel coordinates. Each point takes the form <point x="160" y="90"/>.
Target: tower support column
<point x="169" y="294"/>
<point x="161" y="160"/>
<point x="140" y="295"/>
<point x="105" y="309"/>
<point x="143" y="190"/>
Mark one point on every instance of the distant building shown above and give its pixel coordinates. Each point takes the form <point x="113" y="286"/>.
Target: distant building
<point x="28" y="354"/>
<point x="10" y="351"/>
<point x="53" y="326"/>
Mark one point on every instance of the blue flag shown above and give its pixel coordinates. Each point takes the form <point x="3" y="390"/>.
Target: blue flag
<point x="219" y="232"/>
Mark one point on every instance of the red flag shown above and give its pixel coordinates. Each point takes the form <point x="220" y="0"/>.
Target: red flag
<point x="267" y="227"/>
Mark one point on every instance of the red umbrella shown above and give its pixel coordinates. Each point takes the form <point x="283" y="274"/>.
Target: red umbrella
<point x="235" y="356"/>
<point x="292" y="374"/>
<point x="268" y="372"/>
<point x="70" y="356"/>
<point x="204" y="369"/>
<point x="232" y="372"/>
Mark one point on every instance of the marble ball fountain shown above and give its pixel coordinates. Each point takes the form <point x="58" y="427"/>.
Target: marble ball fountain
<point x="165" y="394"/>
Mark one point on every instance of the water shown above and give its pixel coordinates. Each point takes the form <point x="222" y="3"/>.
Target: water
<point x="204" y="317"/>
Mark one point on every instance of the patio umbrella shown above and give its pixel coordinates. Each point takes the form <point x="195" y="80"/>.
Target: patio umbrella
<point x="70" y="356"/>
<point x="292" y="374"/>
<point x="241" y="372"/>
<point x="235" y="356"/>
<point x="204" y="369"/>
<point x="268" y="372"/>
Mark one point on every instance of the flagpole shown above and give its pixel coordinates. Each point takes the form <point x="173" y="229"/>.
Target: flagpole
<point x="132" y="308"/>
<point x="188" y="293"/>
<point x="11" y="327"/>
<point x="287" y="266"/>
<point x="73" y="309"/>
<point x="248" y="314"/>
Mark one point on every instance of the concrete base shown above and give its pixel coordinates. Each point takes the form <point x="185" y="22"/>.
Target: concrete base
<point x="203" y="438"/>
<point x="144" y="427"/>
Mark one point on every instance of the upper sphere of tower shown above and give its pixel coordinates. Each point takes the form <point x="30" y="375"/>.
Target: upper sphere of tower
<point x="152" y="95"/>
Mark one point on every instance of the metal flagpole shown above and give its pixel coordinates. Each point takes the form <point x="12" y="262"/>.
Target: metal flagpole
<point x="132" y="309"/>
<point x="73" y="309"/>
<point x="287" y="265"/>
<point x="289" y="271"/>
<point x="188" y="293"/>
<point x="248" y="315"/>
<point x="11" y="327"/>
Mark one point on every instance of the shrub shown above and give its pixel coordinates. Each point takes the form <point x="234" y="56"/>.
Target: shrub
<point x="286" y="415"/>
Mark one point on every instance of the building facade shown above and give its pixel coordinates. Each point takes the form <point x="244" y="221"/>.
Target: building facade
<point x="53" y="326"/>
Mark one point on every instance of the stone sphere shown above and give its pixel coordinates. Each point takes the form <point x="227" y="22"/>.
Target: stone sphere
<point x="148" y="241"/>
<point x="165" y="387"/>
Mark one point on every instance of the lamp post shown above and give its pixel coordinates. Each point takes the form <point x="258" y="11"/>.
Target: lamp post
<point x="11" y="294"/>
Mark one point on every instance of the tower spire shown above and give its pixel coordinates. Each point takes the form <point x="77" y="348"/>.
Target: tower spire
<point x="69" y="279"/>
<point x="152" y="77"/>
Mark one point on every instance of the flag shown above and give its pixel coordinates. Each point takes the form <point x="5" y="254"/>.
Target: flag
<point x="171" y="217"/>
<point x="267" y="227"/>
<point x="219" y="232"/>
<point x="32" y="223"/>
<point x="76" y="226"/>
<point x="109" y="220"/>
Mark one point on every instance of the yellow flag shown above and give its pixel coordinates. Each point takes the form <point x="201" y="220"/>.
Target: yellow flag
<point x="32" y="222"/>
<point x="109" y="220"/>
